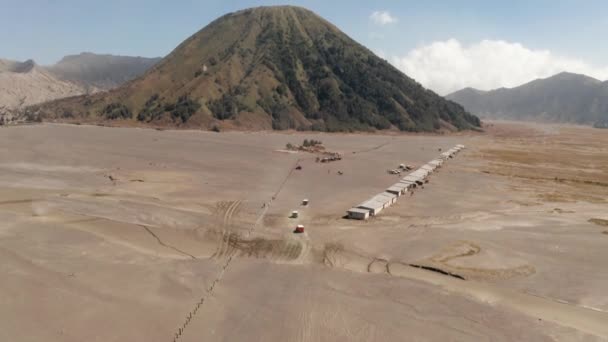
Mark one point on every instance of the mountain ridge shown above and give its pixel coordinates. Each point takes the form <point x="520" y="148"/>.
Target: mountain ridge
<point x="26" y="83"/>
<point x="564" y="97"/>
<point x="279" y="67"/>
<point x="103" y="71"/>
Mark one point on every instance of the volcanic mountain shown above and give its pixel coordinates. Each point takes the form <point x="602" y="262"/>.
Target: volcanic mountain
<point x="565" y="97"/>
<point x="26" y="83"/>
<point x="270" y="67"/>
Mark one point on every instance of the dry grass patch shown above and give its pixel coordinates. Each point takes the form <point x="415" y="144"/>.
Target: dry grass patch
<point x="599" y="222"/>
<point x="566" y="167"/>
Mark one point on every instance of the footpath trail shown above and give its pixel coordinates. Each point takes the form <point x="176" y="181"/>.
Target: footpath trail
<point x="260" y="217"/>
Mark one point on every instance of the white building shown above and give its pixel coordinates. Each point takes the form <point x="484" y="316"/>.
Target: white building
<point x="376" y="204"/>
<point x="427" y="167"/>
<point x="436" y="162"/>
<point x="387" y="198"/>
<point x="358" y="213"/>
<point x="419" y="175"/>
<point x="373" y="206"/>
<point x="397" y="189"/>
<point x="409" y="184"/>
<point x="445" y="155"/>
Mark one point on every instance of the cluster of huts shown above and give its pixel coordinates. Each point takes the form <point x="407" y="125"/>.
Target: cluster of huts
<point x="383" y="200"/>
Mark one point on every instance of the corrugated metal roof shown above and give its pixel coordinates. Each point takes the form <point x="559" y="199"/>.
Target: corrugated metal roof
<point x="397" y="188"/>
<point x="399" y="185"/>
<point x="419" y="173"/>
<point x="412" y="178"/>
<point x="387" y="195"/>
<point x="372" y="204"/>
<point x="384" y="198"/>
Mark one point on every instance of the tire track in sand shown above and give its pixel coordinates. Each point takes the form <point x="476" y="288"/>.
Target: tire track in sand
<point x="223" y="247"/>
<point x="180" y="331"/>
<point x="580" y="318"/>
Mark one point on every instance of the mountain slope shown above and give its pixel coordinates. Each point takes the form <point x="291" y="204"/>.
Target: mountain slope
<point x="271" y="67"/>
<point x="25" y="83"/>
<point x="564" y="97"/>
<point x="7" y="65"/>
<point x="101" y="71"/>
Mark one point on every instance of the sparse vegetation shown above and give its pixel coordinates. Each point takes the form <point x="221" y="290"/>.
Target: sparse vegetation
<point x="115" y="111"/>
<point x="152" y="110"/>
<point x="314" y="146"/>
<point x="601" y="124"/>
<point x="599" y="222"/>
<point x="183" y="109"/>
<point x="311" y="142"/>
<point x="67" y="114"/>
<point x="224" y="108"/>
<point x="180" y="111"/>
<point x="31" y="116"/>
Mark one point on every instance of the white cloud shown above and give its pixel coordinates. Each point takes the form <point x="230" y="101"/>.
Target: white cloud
<point x="447" y="66"/>
<point x="382" y="18"/>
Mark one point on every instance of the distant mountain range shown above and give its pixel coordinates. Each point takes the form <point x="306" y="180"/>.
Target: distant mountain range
<point x="101" y="71"/>
<point x="565" y="97"/>
<point x="277" y="67"/>
<point x="26" y="83"/>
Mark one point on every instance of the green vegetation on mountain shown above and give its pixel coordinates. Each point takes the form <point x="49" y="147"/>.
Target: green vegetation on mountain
<point x="601" y="124"/>
<point x="275" y="67"/>
<point x="115" y="111"/>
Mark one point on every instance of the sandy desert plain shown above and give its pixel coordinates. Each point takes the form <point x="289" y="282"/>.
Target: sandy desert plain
<point x="126" y="234"/>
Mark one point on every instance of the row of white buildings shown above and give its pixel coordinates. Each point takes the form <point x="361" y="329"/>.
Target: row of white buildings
<point x="381" y="201"/>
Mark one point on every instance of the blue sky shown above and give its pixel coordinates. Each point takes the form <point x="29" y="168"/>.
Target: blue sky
<point x="46" y="30"/>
